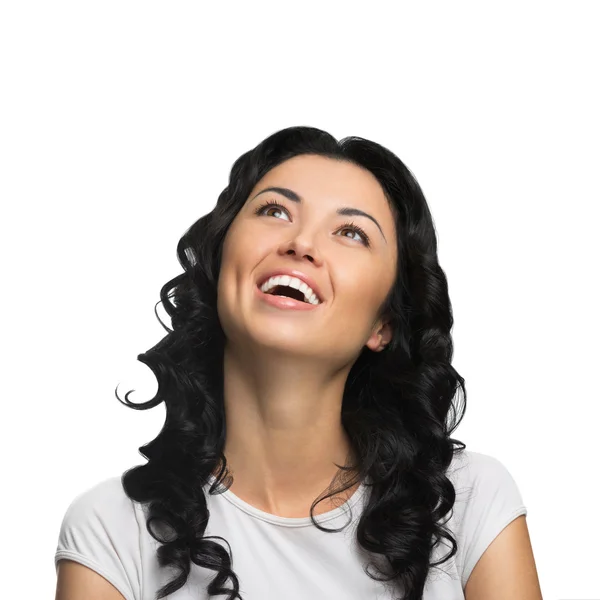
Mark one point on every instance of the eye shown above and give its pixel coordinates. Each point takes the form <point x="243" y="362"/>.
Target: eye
<point x="353" y="227"/>
<point x="262" y="210"/>
<point x="272" y="203"/>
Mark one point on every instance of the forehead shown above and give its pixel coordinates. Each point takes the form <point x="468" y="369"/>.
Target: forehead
<point x="319" y="179"/>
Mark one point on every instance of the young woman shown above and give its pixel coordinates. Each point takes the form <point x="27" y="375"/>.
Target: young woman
<point x="306" y="452"/>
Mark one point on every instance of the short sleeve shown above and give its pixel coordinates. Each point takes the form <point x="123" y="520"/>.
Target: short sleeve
<point x="100" y="531"/>
<point x="492" y="500"/>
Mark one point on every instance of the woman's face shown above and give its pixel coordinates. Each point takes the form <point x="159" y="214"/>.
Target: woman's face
<point x="353" y="275"/>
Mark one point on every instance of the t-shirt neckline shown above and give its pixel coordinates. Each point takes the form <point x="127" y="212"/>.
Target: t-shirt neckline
<point x="255" y="512"/>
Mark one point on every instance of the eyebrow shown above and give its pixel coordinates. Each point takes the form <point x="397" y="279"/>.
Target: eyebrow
<point x="346" y="210"/>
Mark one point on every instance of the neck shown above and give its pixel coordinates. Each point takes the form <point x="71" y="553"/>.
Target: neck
<point x="283" y="428"/>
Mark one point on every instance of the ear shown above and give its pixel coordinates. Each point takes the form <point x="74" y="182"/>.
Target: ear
<point x="381" y="336"/>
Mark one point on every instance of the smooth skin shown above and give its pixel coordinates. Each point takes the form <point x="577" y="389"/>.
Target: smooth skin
<point x="506" y="570"/>
<point x="285" y="371"/>
<point x="78" y="582"/>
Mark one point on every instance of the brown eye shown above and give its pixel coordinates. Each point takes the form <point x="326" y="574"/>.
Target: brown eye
<point x="268" y="205"/>
<point x="263" y="209"/>
<point x="356" y="229"/>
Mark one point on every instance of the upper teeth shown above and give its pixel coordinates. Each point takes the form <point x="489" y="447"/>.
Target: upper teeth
<point x="294" y="282"/>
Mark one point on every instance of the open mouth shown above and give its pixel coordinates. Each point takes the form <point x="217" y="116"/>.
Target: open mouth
<point x="287" y="292"/>
<point x="290" y="289"/>
<point x="287" y="297"/>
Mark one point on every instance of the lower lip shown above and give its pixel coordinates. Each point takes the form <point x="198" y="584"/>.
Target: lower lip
<point x="284" y="302"/>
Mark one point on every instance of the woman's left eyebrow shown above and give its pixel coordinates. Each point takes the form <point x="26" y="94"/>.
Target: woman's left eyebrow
<point x="347" y="211"/>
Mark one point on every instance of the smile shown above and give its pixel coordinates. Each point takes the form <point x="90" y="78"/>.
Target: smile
<point x="284" y="302"/>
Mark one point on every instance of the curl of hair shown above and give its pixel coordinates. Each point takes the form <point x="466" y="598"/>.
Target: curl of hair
<point x="398" y="407"/>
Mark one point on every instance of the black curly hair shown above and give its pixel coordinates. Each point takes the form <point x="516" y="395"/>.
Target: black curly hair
<point x="398" y="406"/>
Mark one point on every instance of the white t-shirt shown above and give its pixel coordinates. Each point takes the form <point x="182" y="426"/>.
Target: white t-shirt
<point x="279" y="557"/>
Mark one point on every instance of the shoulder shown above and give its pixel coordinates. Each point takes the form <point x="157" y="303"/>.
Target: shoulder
<point x="96" y="497"/>
<point x="101" y="529"/>
<point x="104" y="504"/>
<point x="474" y="473"/>
<point x="487" y="499"/>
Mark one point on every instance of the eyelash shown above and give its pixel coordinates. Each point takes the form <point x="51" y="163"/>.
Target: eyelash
<point x="347" y="225"/>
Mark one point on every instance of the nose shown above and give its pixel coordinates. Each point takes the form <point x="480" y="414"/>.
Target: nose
<point x="301" y="247"/>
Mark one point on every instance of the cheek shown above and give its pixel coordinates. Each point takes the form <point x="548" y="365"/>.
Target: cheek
<point x="360" y="294"/>
<point x="356" y="284"/>
<point x="239" y="242"/>
<point x="232" y="254"/>
<point x="226" y="273"/>
<point x="238" y="260"/>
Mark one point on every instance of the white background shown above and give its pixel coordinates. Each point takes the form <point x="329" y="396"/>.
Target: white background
<point x="119" y="124"/>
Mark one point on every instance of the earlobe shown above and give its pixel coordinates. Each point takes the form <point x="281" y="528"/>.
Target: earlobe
<point x="380" y="338"/>
<point x="386" y="336"/>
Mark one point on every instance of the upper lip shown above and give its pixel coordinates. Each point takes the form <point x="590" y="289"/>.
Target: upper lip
<point x="293" y="273"/>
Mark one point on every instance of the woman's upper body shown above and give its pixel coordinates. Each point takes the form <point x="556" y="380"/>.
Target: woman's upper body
<point x="279" y="557"/>
<point x="296" y="348"/>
